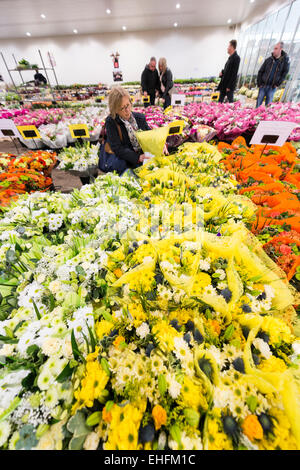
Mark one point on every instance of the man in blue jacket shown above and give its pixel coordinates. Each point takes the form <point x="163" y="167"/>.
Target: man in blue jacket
<point x="272" y="73"/>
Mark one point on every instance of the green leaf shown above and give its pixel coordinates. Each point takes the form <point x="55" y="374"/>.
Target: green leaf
<point x="162" y="384"/>
<point x="76" y="443"/>
<point x="8" y="340"/>
<point x="252" y="403"/>
<point x="75" y="350"/>
<point x="14" y="404"/>
<point x="77" y="425"/>
<point x="65" y="374"/>
<point x="105" y="366"/>
<point x="176" y="434"/>
<point x="228" y="332"/>
<point x="92" y="338"/>
<point x="36" y="310"/>
<point x="107" y="316"/>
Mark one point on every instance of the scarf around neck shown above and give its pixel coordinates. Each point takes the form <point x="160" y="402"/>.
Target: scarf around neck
<point x="132" y="127"/>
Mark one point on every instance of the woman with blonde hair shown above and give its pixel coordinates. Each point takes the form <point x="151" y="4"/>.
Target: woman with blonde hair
<point x="166" y="81"/>
<point x="120" y="149"/>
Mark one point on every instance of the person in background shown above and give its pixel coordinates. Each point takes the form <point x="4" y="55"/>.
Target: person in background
<point x="120" y="149"/>
<point x="39" y="78"/>
<point x="166" y="81"/>
<point x="229" y="73"/>
<point x="272" y="73"/>
<point x="150" y="81"/>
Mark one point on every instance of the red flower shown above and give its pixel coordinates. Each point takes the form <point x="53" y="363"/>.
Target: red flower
<point x="285" y="249"/>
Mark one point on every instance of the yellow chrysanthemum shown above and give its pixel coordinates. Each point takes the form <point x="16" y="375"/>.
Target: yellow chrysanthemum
<point x="124" y="428"/>
<point x="281" y="437"/>
<point x="192" y="395"/>
<point x="103" y="327"/>
<point x="273" y="364"/>
<point x="92" y="385"/>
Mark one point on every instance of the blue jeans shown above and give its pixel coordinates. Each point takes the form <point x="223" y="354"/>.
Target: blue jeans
<point x="265" y="91"/>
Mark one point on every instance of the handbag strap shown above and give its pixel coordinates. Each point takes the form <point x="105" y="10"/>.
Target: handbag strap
<point x="103" y="133"/>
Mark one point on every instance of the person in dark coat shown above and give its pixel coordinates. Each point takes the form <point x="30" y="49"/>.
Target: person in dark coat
<point x="272" y="73"/>
<point x="150" y="81"/>
<point x="39" y="78"/>
<point x="166" y="81"/>
<point x="229" y="73"/>
<point x="120" y="149"/>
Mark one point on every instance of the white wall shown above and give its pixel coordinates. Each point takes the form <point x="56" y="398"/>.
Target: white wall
<point x="193" y="52"/>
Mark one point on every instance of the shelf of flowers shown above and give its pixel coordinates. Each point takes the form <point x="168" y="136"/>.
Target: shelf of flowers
<point x="126" y="328"/>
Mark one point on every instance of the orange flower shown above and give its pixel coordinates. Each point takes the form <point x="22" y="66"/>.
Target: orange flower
<point x="118" y="272"/>
<point x="160" y="416"/>
<point x="252" y="428"/>
<point x="118" y="340"/>
<point x="216" y="326"/>
<point x="106" y="416"/>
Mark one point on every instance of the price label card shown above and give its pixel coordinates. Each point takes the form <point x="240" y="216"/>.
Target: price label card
<point x="176" y="127"/>
<point x="178" y="100"/>
<point x="215" y="96"/>
<point x="79" y="131"/>
<point x="29" y="132"/>
<point x="273" y="133"/>
<point x="8" y="128"/>
<point x="146" y="99"/>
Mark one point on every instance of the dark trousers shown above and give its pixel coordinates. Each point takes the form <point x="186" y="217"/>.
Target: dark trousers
<point x="152" y="100"/>
<point x="224" y="93"/>
<point x="167" y="101"/>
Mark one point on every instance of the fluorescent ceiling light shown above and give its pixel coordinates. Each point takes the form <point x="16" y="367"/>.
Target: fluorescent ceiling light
<point x="75" y="31"/>
<point x="175" y="25"/>
<point x="28" y="34"/>
<point x="108" y="11"/>
<point x="43" y="16"/>
<point x="177" y="5"/>
<point x="124" y="28"/>
<point x="229" y="21"/>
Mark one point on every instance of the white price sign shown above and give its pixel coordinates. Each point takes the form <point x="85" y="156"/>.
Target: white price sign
<point x="178" y="100"/>
<point x="273" y="133"/>
<point x="8" y="129"/>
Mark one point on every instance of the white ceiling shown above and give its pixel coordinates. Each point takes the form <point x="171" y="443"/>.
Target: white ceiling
<point x="17" y="17"/>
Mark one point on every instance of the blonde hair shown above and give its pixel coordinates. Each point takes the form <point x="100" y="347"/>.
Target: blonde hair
<point x="115" y="99"/>
<point x="163" y="62"/>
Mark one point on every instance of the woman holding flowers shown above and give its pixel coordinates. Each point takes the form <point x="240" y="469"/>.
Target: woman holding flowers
<point x="120" y="149"/>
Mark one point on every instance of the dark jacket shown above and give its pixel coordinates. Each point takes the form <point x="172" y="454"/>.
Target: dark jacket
<point x="167" y="81"/>
<point x="123" y="149"/>
<point x="229" y="73"/>
<point x="283" y="66"/>
<point x="150" y="81"/>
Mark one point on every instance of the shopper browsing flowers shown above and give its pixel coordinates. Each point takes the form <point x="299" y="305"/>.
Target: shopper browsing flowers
<point x="121" y="149"/>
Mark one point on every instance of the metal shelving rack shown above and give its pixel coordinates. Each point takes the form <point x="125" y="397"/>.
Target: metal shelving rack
<point x="20" y="70"/>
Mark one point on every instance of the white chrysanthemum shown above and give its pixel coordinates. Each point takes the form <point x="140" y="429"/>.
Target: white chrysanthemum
<point x="263" y="347"/>
<point x="204" y="264"/>
<point x="174" y="388"/>
<point x="52" y="346"/>
<point x="143" y="330"/>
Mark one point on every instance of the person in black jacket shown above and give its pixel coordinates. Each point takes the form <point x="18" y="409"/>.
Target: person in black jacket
<point x="272" y="73"/>
<point x="39" y="78"/>
<point x="229" y="73"/>
<point x="150" y="81"/>
<point x="121" y="149"/>
<point x="166" y="81"/>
